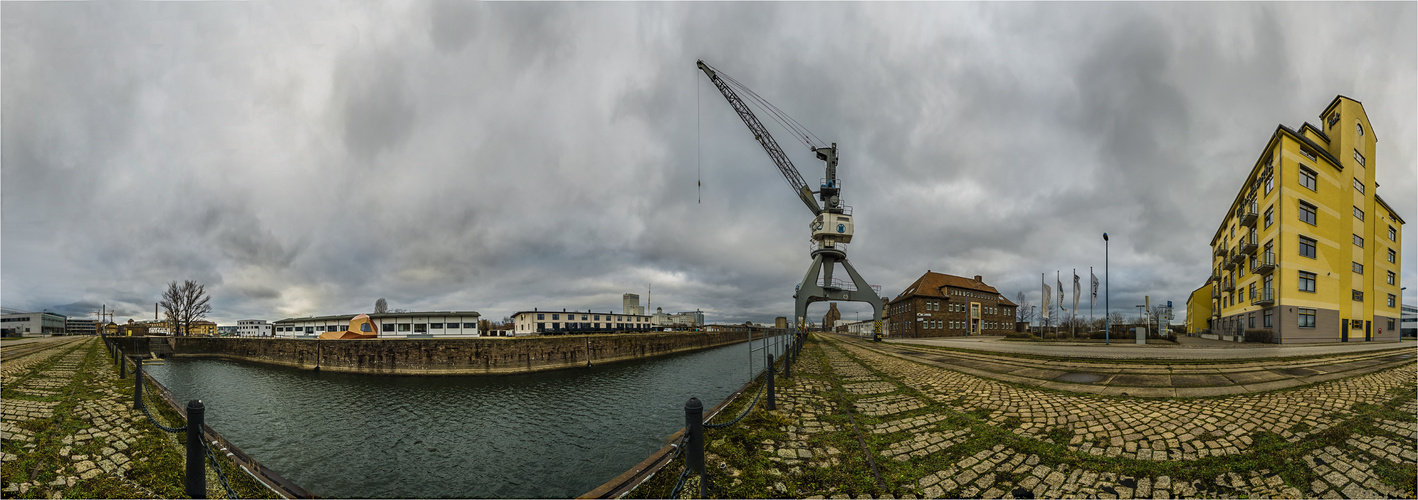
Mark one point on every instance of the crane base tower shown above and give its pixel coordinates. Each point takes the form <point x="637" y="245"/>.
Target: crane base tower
<point x="824" y="261"/>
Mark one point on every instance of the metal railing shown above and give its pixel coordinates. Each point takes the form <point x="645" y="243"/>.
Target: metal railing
<point x="199" y="437"/>
<point x="691" y="444"/>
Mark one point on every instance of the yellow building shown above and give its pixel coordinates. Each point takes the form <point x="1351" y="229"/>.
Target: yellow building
<point x="1199" y="309"/>
<point x="1307" y="250"/>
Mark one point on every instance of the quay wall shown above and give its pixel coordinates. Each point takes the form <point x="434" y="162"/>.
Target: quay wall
<point x="464" y="356"/>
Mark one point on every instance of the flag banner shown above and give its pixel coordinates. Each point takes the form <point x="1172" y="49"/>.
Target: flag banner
<point x="1076" y="290"/>
<point x="1047" y="301"/>
<point x="1094" y="302"/>
<point x="1061" y="295"/>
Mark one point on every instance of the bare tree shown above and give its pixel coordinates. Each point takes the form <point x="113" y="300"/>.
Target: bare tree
<point x="184" y="304"/>
<point x="1024" y="311"/>
<point x="381" y="306"/>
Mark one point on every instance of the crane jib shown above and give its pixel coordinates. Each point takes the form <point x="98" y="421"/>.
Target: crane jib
<point x="760" y="134"/>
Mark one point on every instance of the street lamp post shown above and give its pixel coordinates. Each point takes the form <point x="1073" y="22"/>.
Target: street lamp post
<point x="1107" y="325"/>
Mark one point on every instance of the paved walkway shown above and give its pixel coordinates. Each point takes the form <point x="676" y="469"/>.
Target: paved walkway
<point x="69" y="430"/>
<point x="857" y="422"/>
<point x="1190" y="349"/>
<point x="1147" y="378"/>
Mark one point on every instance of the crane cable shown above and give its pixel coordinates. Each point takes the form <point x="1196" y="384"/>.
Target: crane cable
<point x="800" y="132"/>
<point x="698" y="138"/>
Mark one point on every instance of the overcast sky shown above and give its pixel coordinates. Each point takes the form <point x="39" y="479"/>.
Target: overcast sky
<point x="304" y="158"/>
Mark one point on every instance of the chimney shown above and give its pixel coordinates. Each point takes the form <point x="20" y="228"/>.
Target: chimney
<point x="979" y="279"/>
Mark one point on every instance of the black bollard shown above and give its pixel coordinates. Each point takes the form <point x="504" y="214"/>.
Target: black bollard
<point x="788" y="364"/>
<point x="196" y="477"/>
<point x="138" y="385"/>
<point x="122" y="365"/>
<point x="771" y="404"/>
<point x="694" y="426"/>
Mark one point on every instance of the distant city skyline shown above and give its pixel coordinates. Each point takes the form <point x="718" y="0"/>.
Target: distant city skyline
<point x="311" y="158"/>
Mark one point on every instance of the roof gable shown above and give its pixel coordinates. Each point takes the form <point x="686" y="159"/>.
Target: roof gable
<point x="931" y="284"/>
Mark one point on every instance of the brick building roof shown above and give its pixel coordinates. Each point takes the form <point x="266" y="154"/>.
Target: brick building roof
<point x="933" y="284"/>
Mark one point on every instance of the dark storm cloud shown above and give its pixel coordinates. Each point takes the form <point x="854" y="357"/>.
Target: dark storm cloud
<point x="312" y="158"/>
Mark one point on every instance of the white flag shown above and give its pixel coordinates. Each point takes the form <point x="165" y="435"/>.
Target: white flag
<point x="1046" y="301"/>
<point x="1076" y="290"/>
<point x="1095" y="288"/>
<point x="1061" y="296"/>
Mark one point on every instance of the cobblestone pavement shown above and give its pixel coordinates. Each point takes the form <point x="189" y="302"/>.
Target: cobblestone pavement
<point x="69" y="430"/>
<point x="932" y="432"/>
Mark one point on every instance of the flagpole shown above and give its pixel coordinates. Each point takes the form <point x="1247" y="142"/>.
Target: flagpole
<point x="1090" y="298"/>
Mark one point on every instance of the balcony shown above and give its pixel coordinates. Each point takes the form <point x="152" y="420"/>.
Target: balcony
<point x="1264" y="297"/>
<point x="1229" y="264"/>
<point x="1220" y="251"/>
<point x="1239" y="256"/>
<point x="1249" y="243"/>
<point x="1247" y="213"/>
<point x="1265" y="262"/>
<point x="1228" y="285"/>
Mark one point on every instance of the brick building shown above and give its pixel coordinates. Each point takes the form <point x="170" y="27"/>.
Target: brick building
<point x="943" y="305"/>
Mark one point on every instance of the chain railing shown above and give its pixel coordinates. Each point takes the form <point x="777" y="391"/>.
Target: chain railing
<point x="692" y="444"/>
<point x="195" y="475"/>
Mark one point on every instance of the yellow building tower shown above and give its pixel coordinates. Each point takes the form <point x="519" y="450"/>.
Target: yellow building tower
<point x="1308" y="251"/>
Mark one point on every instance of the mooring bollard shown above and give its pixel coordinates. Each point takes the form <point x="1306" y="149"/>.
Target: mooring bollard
<point x="771" y="404"/>
<point x="138" y="385"/>
<point x="694" y="426"/>
<point x="122" y="365"/>
<point x="196" y="477"/>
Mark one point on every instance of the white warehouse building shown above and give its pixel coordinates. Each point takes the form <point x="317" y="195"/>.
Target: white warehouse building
<point x="253" y="328"/>
<point x="536" y="322"/>
<point x="445" y="324"/>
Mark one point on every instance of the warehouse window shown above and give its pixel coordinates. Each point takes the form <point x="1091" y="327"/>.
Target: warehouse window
<point x="1358" y="185"/>
<point x="1358" y="214"/>
<point x="1357" y="295"/>
<point x="1358" y="268"/>
<point x="1359" y="127"/>
<point x="1392" y="255"/>
<point x="1392" y="234"/>
<point x="1308" y="179"/>
<point x="1307" y="213"/>
<point x="1358" y="241"/>
<point x="1390" y="304"/>
<point x="1391" y="277"/>
<point x="1358" y="157"/>
<point x="1269" y="211"/>
<point x="470" y="325"/>
<point x="1307" y="318"/>
<point x="1307" y="247"/>
<point x="1356" y="324"/>
<point x="1307" y="281"/>
<point x="1268" y="321"/>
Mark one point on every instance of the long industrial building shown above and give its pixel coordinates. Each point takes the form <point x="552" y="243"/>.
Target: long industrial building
<point x="446" y="324"/>
<point x="1308" y="251"/>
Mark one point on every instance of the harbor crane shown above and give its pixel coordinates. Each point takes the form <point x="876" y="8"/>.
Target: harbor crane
<point x="831" y="226"/>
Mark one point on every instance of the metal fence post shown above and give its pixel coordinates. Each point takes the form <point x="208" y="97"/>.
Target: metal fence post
<point x="138" y="385"/>
<point x="788" y="363"/>
<point x="122" y="364"/>
<point x="196" y="477"/>
<point x="771" y="404"/>
<point x="694" y="426"/>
